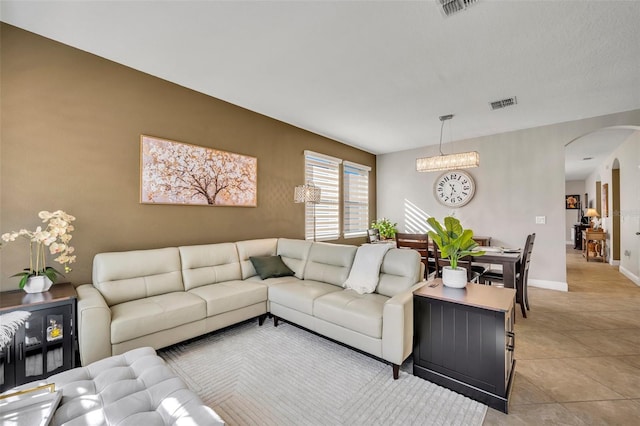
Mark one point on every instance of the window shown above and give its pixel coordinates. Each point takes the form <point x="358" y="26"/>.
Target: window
<point x="356" y="199"/>
<point x="324" y="172"/>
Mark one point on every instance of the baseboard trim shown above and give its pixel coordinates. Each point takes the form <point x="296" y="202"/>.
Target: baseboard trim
<point x="627" y="273"/>
<point x="549" y="285"/>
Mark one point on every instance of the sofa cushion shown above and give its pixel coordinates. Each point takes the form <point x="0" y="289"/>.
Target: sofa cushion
<point x="270" y="267"/>
<point x="209" y="263"/>
<point x="230" y="295"/>
<point x="130" y="275"/>
<point x="300" y="295"/>
<point x="329" y="263"/>
<point x="248" y="248"/>
<point x="294" y="254"/>
<point x="400" y="270"/>
<point x="135" y="388"/>
<point x="357" y="312"/>
<point x="156" y="313"/>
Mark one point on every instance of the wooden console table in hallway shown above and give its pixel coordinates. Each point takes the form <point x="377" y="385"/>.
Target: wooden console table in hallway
<point x="594" y="242"/>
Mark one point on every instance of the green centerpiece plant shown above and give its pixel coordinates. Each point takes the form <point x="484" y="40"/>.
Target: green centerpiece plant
<point x="386" y="228"/>
<point x="454" y="242"/>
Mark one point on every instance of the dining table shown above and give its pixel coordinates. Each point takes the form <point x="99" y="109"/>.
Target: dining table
<point x="508" y="259"/>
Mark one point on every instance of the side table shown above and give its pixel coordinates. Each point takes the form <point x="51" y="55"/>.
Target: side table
<point x="594" y="242"/>
<point x="464" y="340"/>
<point x="46" y="343"/>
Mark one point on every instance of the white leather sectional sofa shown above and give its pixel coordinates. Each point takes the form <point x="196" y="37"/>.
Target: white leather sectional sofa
<point x="160" y="297"/>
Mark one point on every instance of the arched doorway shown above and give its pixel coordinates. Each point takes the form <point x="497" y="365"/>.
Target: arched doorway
<point x="611" y="175"/>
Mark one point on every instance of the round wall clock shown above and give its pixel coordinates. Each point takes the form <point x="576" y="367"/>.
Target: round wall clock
<point x="454" y="188"/>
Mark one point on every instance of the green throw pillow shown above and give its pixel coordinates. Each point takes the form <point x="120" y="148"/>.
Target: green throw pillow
<point x="270" y="267"/>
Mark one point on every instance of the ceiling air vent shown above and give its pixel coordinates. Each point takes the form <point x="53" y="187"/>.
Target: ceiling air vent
<point x="449" y="7"/>
<point x="503" y="103"/>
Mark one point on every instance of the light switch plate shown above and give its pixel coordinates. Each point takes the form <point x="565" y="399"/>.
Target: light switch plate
<point x="541" y="220"/>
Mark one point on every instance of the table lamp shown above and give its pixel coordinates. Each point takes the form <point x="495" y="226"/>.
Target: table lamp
<point x="592" y="213"/>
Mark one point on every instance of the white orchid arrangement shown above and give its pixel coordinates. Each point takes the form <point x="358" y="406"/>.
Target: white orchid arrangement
<point x="55" y="235"/>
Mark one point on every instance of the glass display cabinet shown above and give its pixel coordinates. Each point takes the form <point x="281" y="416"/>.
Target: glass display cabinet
<point x="45" y="344"/>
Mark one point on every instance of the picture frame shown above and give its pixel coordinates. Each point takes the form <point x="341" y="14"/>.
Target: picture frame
<point x="572" y="202"/>
<point x="605" y="200"/>
<point x="180" y="173"/>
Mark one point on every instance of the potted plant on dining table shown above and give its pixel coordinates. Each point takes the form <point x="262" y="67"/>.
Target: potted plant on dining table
<point x="454" y="243"/>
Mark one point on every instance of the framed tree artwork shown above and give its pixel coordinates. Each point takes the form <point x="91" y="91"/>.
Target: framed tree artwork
<point x="605" y="200"/>
<point x="572" y="202"/>
<point x="179" y="173"/>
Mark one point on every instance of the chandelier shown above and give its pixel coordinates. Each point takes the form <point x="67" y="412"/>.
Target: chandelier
<point x="462" y="160"/>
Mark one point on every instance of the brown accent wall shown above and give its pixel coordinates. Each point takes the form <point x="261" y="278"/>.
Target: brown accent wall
<point x="70" y="139"/>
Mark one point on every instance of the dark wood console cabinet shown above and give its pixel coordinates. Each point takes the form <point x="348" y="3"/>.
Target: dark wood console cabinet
<point x="45" y="344"/>
<point x="464" y="340"/>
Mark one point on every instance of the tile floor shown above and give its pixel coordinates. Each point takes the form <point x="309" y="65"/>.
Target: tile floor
<point x="578" y="353"/>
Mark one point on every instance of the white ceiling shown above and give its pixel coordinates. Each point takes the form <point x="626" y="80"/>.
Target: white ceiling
<point x="372" y="74"/>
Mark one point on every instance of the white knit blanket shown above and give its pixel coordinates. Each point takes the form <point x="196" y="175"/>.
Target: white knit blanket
<point x="365" y="271"/>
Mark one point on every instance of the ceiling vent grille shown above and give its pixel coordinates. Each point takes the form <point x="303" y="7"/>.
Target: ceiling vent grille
<point x="503" y="103"/>
<point x="449" y="7"/>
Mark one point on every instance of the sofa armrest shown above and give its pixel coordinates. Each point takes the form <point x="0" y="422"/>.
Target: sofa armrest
<point x="94" y="325"/>
<point x="397" y="326"/>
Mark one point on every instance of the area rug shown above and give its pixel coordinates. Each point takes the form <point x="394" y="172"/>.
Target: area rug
<point x="252" y="375"/>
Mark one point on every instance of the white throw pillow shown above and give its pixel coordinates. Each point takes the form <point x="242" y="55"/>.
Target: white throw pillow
<point x="365" y="272"/>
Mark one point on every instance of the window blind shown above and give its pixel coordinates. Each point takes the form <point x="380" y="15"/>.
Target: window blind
<point x="324" y="172"/>
<point x="356" y="199"/>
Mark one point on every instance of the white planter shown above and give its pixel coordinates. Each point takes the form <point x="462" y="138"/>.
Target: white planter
<point x="456" y="278"/>
<point x="38" y="284"/>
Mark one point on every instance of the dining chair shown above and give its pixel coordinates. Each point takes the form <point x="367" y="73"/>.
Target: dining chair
<point x="522" y="276"/>
<point x="373" y="235"/>
<point x="525" y="272"/>
<point x="475" y="272"/>
<point x="420" y="243"/>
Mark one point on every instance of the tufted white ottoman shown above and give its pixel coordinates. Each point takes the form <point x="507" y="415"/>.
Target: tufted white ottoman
<point x="135" y="388"/>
